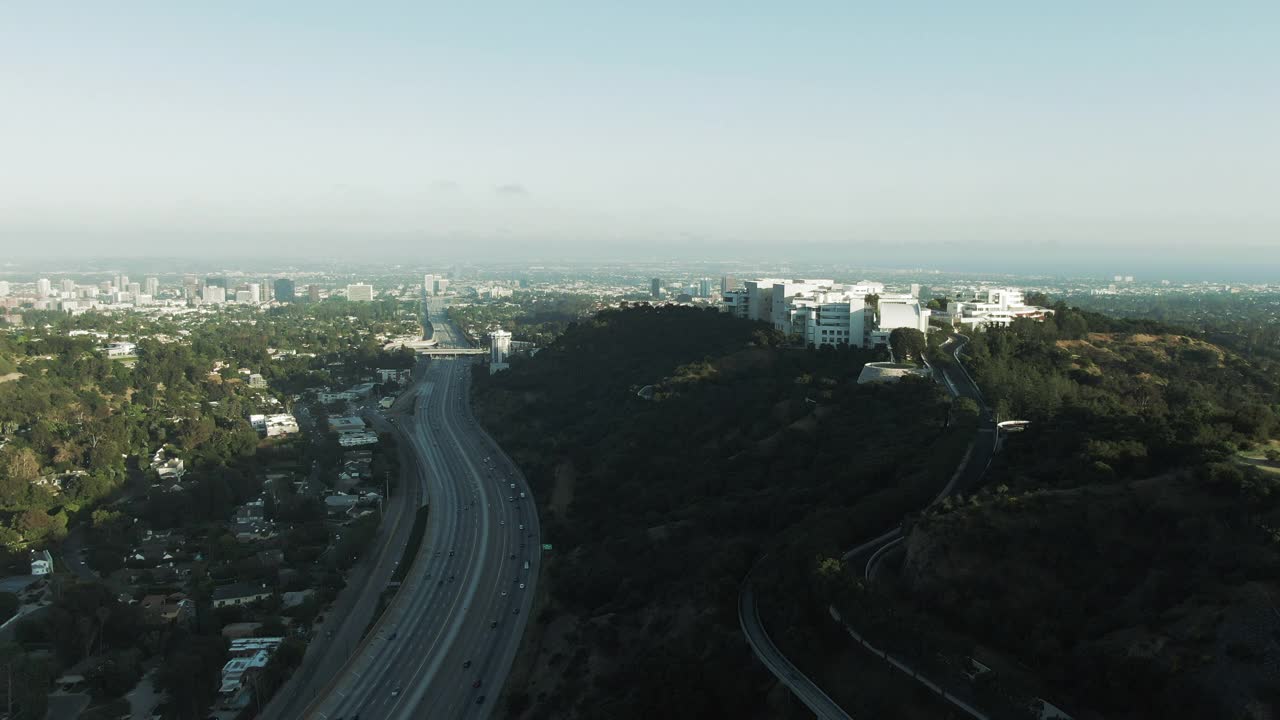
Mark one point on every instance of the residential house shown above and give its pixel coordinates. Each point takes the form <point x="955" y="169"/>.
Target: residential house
<point x="167" y="609"/>
<point x="242" y="593"/>
<point x="41" y="562"/>
<point x="248" y="657"/>
<point x="357" y="438"/>
<point x="386" y="375"/>
<point x="274" y="425"/>
<point x="170" y="469"/>
<point x="339" y="503"/>
<point x="339" y="423"/>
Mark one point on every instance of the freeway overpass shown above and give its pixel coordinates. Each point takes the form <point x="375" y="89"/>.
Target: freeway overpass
<point x="432" y="348"/>
<point x="450" y="352"/>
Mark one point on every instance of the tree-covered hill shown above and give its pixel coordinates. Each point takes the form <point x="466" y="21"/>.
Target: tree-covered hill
<point x="1122" y="547"/>
<point x="668" y="447"/>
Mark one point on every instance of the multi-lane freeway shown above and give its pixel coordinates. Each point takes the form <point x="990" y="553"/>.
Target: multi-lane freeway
<point x="444" y="646"/>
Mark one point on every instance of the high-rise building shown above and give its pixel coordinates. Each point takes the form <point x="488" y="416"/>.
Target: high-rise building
<point x="499" y="349"/>
<point x="704" y="287"/>
<point x="255" y="293"/>
<point x="68" y="286"/>
<point x="135" y="289"/>
<point x="214" y="294"/>
<point x="360" y="292"/>
<point x="441" y="285"/>
<point x="313" y="293"/>
<point x="284" y="290"/>
<point x="499" y="346"/>
<point x="727" y="283"/>
<point x="429" y="284"/>
<point x="122" y="282"/>
<point x="245" y="297"/>
<point x="43" y="288"/>
<point x="655" y="288"/>
<point x="4" y="288"/>
<point x="152" y="286"/>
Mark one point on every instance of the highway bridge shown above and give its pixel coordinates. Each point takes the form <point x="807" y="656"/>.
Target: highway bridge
<point x="450" y="352"/>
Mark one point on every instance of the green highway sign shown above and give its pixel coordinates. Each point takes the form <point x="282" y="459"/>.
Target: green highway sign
<point x="546" y="547"/>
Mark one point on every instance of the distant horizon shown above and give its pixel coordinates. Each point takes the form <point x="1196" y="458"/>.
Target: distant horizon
<point x="591" y="130"/>
<point x="1242" y="264"/>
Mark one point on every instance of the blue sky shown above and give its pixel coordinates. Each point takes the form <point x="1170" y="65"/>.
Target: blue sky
<point x="595" y="124"/>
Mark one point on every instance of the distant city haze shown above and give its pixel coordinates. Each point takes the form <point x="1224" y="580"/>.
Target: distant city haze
<point x="1082" y="136"/>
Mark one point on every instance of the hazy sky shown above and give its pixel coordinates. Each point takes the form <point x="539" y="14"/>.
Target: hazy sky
<point x="1114" y="124"/>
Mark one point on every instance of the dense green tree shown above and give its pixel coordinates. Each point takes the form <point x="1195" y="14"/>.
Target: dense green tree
<point x="908" y="344"/>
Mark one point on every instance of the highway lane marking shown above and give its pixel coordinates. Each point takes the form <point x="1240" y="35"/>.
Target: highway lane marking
<point x="503" y="643"/>
<point x="481" y="530"/>
<point x="381" y="656"/>
<point x="442" y="535"/>
<point x="455" y="627"/>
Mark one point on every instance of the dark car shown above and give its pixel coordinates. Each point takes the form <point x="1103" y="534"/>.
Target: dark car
<point x="480" y="700"/>
<point x="515" y="611"/>
<point x="466" y="664"/>
<point x="493" y="623"/>
<point x="475" y="684"/>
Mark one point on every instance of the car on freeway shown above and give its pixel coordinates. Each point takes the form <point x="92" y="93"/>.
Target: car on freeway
<point x="521" y="586"/>
<point x="515" y="611"/>
<point x="493" y="623"/>
<point x="395" y="691"/>
<point x="504" y="593"/>
<point x="475" y="684"/>
<point x="480" y="700"/>
<point x="502" y="522"/>
<point x="466" y="665"/>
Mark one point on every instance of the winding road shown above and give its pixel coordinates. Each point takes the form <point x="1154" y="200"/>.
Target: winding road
<point x="871" y="552"/>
